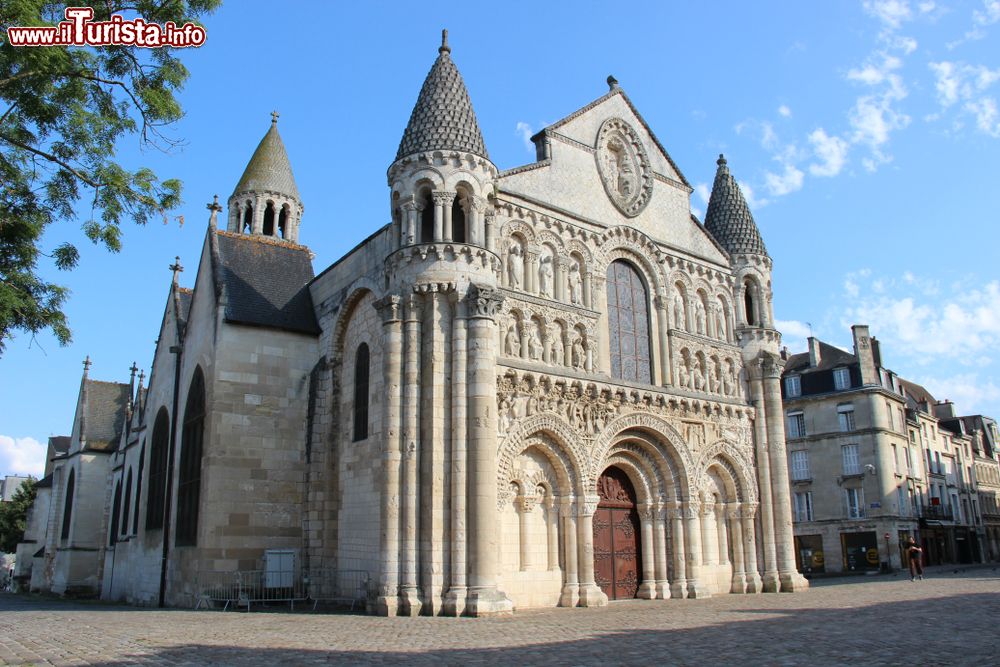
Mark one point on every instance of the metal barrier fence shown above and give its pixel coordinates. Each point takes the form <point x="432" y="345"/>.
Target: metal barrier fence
<point x="244" y="588"/>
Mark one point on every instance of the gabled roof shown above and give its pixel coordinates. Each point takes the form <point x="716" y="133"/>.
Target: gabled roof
<point x="829" y="357"/>
<point x="104" y="417"/>
<point x="44" y="482"/>
<point x="264" y="282"/>
<point x="269" y="169"/>
<point x="442" y="118"/>
<point x="59" y="443"/>
<point x="728" y="218"/>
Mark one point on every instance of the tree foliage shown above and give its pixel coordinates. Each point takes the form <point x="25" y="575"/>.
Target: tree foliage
<point x="62" y="112"/>
<point x="14" y="515"/>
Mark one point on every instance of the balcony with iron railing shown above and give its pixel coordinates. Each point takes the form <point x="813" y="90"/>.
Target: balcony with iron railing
<point x="937" y="512"/>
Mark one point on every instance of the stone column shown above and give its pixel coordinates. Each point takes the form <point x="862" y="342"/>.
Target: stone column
<point x="660" y="546"/>
<point x="258" y="215"/>
<point x="695" y="587"/>
<point x="454" y="604"/>
<point x="531" y="270"/>
<point x="474" y="232"/>
<point x="449" y="232"/>
<point x="590" y="594"/>
<point x="390" y="308"/>
<point x="588" y="288"/>
<point x="678" y="587"/>
<point x="570" y="596"/>
<point x="490" y="219"/>
<point x="660" y="303"/>
<point x="559" y="270"/>
<point x="709" y="535"/>
<point x="484" y="597"/>
<point x="440" y="200"/>
<point x="722" y="529"/>
<point x="790" y="578"/>
<point x="525" y="505"/>
<point x="409" y="603"/>
<point x="412" y="211"/>
<point x="739" y="579"/>
<point x="647" y="589"/>
<point x="770" y="579"/>
<point x="754" y="582"/>
<point x="552" y="528"/>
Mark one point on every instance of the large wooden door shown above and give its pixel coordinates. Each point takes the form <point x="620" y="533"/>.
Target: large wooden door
<point x="617" y="557"/>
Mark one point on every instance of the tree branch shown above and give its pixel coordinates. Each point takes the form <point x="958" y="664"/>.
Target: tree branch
<point x="51" y="158"/>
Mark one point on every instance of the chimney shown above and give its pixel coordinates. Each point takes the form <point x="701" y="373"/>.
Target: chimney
<point x="863" y="351"/>
<point x="945" y="410"/>
<point x="814" y="357"/>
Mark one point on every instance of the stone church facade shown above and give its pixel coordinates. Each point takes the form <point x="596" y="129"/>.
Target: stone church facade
<point x="546" y="385"/>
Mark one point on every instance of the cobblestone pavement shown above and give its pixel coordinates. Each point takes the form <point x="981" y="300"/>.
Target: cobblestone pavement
<point x="947" y="619"/>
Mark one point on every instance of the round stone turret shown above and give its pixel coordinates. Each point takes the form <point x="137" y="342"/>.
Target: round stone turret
<point x="266" y="200"/>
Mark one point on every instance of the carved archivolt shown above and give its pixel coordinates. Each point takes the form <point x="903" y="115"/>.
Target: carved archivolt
<point x="662" y="431"/>
<point x="739" y="468"/>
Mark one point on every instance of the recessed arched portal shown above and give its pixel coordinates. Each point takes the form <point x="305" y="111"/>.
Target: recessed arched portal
<point x="617" y="552"/>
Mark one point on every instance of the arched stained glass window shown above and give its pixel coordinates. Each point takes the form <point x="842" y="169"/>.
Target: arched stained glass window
<point x="628" y="323"/>
<point x="189" y="478"/>
<point x="158" y="471"/>
<point x="127" y="500"/>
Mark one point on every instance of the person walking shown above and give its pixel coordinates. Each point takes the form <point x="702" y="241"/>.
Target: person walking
<point x="916" y="555"/>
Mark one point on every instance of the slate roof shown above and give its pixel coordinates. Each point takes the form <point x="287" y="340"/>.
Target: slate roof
<point x="829" y="357"/>
<point x="729" y="219"/>
<point x="915" y="394"/>
<point x="264" y="282"/>
<point x="269" y="168"/>
<point x="59" y="444"/>
<point x="442" y="118"/>
<point x="44" y="482"/>
<point x="104" y="418"/>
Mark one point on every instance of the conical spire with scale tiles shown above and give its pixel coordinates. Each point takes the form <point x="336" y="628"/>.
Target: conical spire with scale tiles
<point x="729" y="219"/>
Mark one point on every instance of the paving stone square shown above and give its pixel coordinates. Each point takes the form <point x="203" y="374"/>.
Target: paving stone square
<point x="949" y="618"/>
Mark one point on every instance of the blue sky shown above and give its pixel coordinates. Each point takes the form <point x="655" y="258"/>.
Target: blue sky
<point x="866" y="136"/>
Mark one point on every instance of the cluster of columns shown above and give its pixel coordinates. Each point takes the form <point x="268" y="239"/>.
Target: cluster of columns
<point x="257" y="205"/>
<point x="678" y="540"/>
<point x="478" y="225"/>
<point x="780" y="573"/>
<point x="421" y="570"/>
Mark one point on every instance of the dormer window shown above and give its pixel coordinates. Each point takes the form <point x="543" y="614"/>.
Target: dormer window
<point x="841" y="379"/>
<point x="793" y="386"/>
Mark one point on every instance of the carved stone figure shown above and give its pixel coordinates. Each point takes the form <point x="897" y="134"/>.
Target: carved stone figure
<point x="579" y="354"/>
<point x="534" y="343"/>
<point x="720" y="324"/>
<point x="699" y="316"/>
<point x="712" y="370"/>
<point x="558" y="354"/>
<point x="697" y="375"/>
<point x="729" y="380"/>
<point x="679" y="322"/>
<point x="575" y="284"/>
<point x="515" y="266"/>
<point x="512" y="343"/>
<point x="545" y="277"/>
<point x="683" y="377"/>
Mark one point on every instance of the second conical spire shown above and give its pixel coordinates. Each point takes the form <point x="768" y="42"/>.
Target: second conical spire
<point x="443" y="118"/>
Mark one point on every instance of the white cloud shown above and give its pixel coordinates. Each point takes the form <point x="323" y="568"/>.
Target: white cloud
<point x="784" y="111"/>
<point x="981" y="20"/>
<point x="524" y="131"/>
<point x="926" y="7"/>
<point x="892" y="13"/>
<point x="793" y="334"/>
<point x="959" y="82"/>
<point x="971" y="393"/>
<point x="21" y="456"/>
<point x="785" y="183"/>
<point x="751" y="199"/>
<point x="831" y="151"/>
<point x="703" y="192"/>
<point x="926" y="325"/>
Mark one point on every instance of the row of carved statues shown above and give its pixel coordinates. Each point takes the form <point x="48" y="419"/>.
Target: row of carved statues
<point x="700" y="372"/>
<point x="545" y="281"/>
<point x="551" y="344"/>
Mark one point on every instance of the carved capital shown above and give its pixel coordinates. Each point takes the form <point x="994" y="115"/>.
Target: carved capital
<point x="646" y="511"/>
<point x="771" y="365"/>
<point x="526" y="503"/>
<point x="390" y="307"/>
<point x="484" y="301"/>
<point x="476" y="203"/>
<point x="567" y="506"/>
<point x="442" y="197"/>
<point x="660" y="302"/>
<point x="413" y="305"/>
<point x="589" y="505"/>
<point x="412" y="205"/>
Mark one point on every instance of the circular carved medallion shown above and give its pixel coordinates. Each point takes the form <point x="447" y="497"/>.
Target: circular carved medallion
<point x="624" y="166"/>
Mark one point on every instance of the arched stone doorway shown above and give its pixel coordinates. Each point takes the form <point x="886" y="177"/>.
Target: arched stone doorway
<point x="617" y="553"/>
